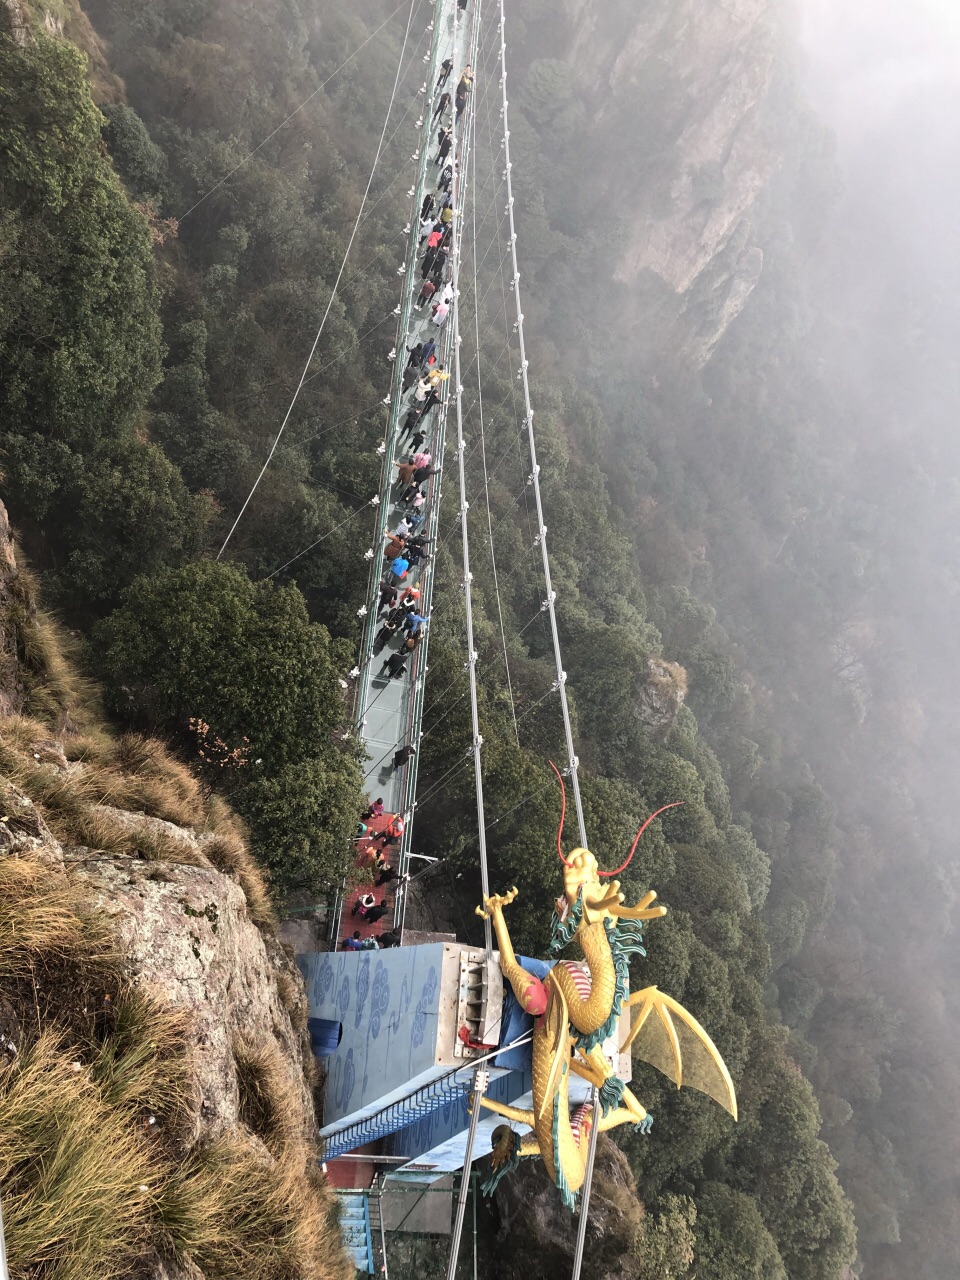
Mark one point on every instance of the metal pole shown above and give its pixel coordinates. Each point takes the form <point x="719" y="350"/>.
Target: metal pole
<point x="4" y="1274"/>
<point x="479" y="1089"/>
<point x="587" y="1184"/>
<point x="383" y="1234"/>
<point x="473" y="1179"/>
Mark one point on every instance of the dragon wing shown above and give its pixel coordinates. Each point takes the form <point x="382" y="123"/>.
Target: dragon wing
<point x="664" y="1034"/>
<point x="553" y="1050"/>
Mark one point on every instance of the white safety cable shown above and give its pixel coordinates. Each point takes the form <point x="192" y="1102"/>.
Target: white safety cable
<point x="296" y="111"/>
<point x="374" y="501"/>
<point x="333" y="294"/>
<point x="460" y="185"/>
<point x="483" y="444"/>
<point x="550" y="602"/>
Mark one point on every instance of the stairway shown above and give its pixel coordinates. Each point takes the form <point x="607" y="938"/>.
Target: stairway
<point x="355" y="1224"/>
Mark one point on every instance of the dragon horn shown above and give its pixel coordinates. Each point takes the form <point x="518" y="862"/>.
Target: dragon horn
<point x="563" y="811"/>
<point x="624" y="865"/>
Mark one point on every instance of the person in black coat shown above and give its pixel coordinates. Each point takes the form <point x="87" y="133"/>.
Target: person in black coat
<point x="394" y="666"/>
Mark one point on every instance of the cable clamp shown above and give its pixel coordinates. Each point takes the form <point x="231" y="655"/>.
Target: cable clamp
<point x="353" y="673"/>
<point x="468" y="577"/>
<point x="392" y="355"/>
<point x="423" y="88"/>
<point x="362" y="611"/>
<point x="385" y="400"/>
<point x="381" y="449"/>
<point x="465" y="508"/>
<point x="415" y="156"/>
<point x="540" y="536"/>
<point x="368" y="554"/>
<point x="561" y="679"/>
<point x="478" y="742"/>
<point x="375" y="500"/>
<point x="412" y="192"/>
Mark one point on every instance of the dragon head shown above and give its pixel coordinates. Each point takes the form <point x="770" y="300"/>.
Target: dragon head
<point x="582" y="875"/>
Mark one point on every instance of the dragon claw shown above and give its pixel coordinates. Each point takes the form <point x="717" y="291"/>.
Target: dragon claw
<point x="496" y="903"/>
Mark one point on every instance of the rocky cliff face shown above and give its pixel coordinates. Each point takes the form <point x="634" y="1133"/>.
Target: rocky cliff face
<point x="709" y="69"/>
<point x="139" y="962"/>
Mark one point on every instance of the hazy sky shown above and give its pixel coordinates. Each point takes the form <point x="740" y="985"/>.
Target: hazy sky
<point x="872" y="59"/>
<point x="885" y="74"/>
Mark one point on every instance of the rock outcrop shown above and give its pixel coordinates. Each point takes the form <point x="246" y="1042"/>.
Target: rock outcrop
<point x="661" y="697"/>
<point x="12" y="691"/>
<point x="713" y="66"/>
<point x="537" y="1234"/>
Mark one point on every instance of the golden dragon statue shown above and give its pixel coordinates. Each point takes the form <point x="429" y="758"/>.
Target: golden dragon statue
<point x="577" y="1008"/>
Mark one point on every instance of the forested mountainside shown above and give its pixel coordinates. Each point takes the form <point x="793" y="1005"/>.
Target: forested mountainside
<point x="696" y="469"/>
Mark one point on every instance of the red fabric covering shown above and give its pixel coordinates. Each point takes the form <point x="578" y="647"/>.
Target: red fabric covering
<point x="366" y="851"/>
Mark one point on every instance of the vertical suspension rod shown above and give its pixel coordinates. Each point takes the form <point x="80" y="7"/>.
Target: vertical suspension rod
<point x="460" y="191"/>
<point x="572" y="761"/>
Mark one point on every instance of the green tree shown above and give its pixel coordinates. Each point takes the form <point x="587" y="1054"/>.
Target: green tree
<point x="237" y="668"/>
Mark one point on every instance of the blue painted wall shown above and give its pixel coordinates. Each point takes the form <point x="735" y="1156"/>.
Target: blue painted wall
<point x="388" y="1003"/>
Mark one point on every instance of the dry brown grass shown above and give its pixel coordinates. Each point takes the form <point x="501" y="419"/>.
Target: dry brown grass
<point x="77" y="1179"/>
<point x="89" y="1187"/>
<point x="239" y="1213"/>
<point x="44" y="921"/>
<point x="270" y="1104"/>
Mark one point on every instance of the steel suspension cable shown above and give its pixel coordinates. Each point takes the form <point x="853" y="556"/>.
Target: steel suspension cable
<point x="296" y="111"/>
<point x="483" y="444"/>
<point x="550" y="602"/>
<point x="480" y="1077"/>
<point x="336" y="285"/>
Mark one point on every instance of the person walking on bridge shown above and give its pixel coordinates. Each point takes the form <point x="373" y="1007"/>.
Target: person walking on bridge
<point x="410" y="424"/>
<point x="394" y="666"/>
<point x="385" y="635"/>
<point x="445" y="141"/>
<point x="363" y="904"/>
<point x="427" y="290"/>
<point x="377" y="913"/>
<point x="405" y="472"/>
<point x="446" y="66"/>
<point x="403" y="754"/>
<point x="395" y="544"/>
<point x="441" y="107"/>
